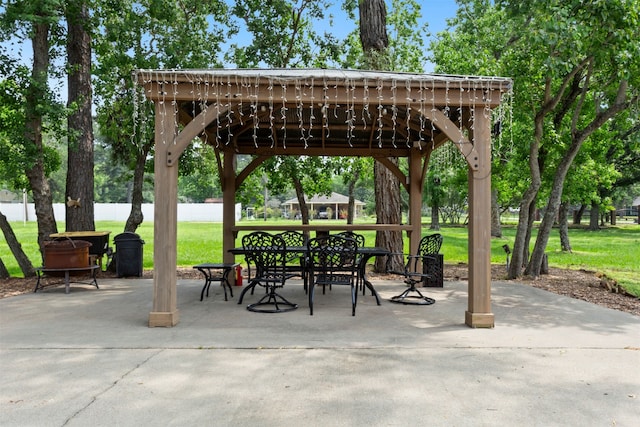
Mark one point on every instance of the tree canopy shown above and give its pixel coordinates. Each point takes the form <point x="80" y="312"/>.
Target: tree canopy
<point x="572" y="76"/>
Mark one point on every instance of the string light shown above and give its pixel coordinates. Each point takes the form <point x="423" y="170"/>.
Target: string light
<point x="231" y="91"/>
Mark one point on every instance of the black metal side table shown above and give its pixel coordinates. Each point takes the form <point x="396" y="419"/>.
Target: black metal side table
<point x="216" y="273"/>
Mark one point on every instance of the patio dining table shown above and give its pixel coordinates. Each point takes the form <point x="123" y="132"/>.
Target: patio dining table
<point x="366" y="253"/>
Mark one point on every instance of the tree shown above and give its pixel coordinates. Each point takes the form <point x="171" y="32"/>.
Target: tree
<point x="147" y="35"/>
<point x="571" y="74"/>
<point x="352" y="170"/>
<point x="374" y="40"/>
<point x="23" y="260"/>
<point x="37" y="21"/>
<point x="599" y="85"/>
<point x="80" y="179"/>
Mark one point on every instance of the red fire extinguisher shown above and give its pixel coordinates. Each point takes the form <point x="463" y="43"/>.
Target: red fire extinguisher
<point x="238" y="275"/>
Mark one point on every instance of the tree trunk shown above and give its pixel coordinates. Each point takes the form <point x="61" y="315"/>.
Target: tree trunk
<point x="36" y="93"/>
<point x="387" y="188"/>
<point x="533" y="212"/>
<point x="352" y="203"/>
<point x="135" y="216"/>
<point x="373" y="26"/>
<point x="304" y="209"/>
<point x="496" y="227"/>
<point x="351" y="207"/>
<point x="594" y="216"/>
<point x="4" y="273"/>
<point x="373" y="36"/>
<point x="550" y="213"/>
<point x="520" y="253"/>
<point x="563" y="219"/>
<point x="79" y="216"/>
<point x="577" y="215"/>
<point x="435" y="216"/>
<point x="537" y="156"/>
<point x="16" y="248"/>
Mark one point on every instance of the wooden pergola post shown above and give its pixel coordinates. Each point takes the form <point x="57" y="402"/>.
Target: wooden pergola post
<point x="416" y="182"/>
<point x="478" y="314"/>
<point x="229" y="203"/>
<point x="165" y="232"/>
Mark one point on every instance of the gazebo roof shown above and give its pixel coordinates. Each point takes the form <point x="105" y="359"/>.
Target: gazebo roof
<point x="324" y="111"/>
<point x="302" y="112"/>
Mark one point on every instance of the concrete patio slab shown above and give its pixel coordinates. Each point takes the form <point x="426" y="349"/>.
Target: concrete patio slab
<point x="88" y="358"/>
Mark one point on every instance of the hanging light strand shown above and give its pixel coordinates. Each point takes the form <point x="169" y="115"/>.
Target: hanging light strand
<point x="366" y="114"/>
<point x="283" y="113"/>
<point x="325" y="107"/>
<point x="379" y="87"/>
<point x="394" y="112"/>
<point x="311" y="106"/>
<point x="408" y="101"/>
<point x="271" y="118"/>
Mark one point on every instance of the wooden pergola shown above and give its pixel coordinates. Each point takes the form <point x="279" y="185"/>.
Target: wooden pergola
<point x="321" y="112"/>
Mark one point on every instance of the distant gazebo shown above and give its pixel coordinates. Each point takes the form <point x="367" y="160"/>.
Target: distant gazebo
<point x="326" y="207"/>
<point x="636" y="203"/>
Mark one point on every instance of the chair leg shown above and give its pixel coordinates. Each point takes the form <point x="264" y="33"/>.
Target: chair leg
<point x="244" y="291"/>
<point x="412" y="296"/>
<point x="311" y="291"/>
<point x="354" y="298"/>
<point x="273" y="299"/>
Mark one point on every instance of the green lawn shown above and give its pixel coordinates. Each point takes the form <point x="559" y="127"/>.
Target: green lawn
<point x="614" y="251"/>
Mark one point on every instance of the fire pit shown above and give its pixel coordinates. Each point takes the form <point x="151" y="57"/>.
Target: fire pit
<point x="66" y="253"/>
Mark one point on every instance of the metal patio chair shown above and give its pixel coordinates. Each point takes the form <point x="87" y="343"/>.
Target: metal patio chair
<point x="360" y="240"/>
<point x="332" y="260"/>
<point x="415" y="270"/>
<point x="269" y="255"/>
<point x="296" y="259"/>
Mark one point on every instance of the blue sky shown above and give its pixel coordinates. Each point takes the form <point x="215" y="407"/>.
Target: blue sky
<point x="435" y="13"/>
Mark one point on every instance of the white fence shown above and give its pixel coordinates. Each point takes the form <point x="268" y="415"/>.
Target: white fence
<point x="204" y="212"/>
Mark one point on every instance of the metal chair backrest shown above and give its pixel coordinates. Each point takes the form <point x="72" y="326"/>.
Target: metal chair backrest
<point x="359" y="238"/>
<point x="430" y="244"/>
<point x="267" y="251"/>
<point x="293" y="238"/>
<point x="333" y="255"/>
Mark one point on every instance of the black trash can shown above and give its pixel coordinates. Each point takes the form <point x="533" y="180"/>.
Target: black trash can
<point x="128" y="254"/>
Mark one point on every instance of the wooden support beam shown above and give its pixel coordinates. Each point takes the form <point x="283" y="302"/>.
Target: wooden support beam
<point x="190" y="131"/>
<point x="478" y="314"/>
<point x="394" y="169"/>
<point x="263" y="92"/>
<point x="228" y="205"/>
<point x="415" y="199"/>
<point x="165" y="233"/>
<point x="455" y="135"/>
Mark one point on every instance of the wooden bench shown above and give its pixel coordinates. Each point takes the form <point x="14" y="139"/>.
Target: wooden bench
<point x="91" y="269"/>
